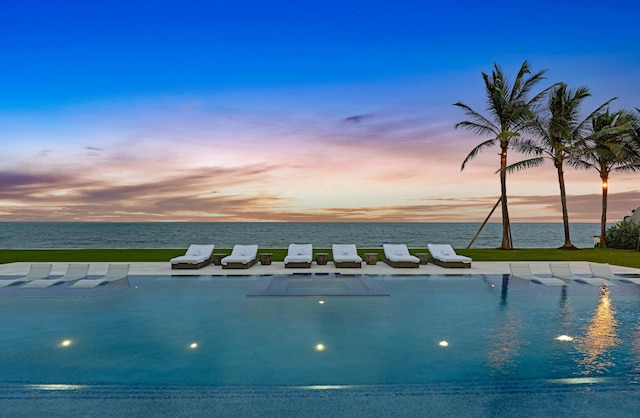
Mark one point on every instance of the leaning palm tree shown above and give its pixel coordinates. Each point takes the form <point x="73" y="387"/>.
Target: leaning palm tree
<point x="559" y="132"/>
<point x="509" y="108"/>
<point x="611" y="146"/>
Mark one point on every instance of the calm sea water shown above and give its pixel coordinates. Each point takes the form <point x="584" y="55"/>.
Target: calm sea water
<point x="273" y="234"/>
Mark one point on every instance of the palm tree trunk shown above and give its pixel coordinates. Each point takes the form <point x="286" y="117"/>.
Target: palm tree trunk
<point x="565" y="213"/>
<point x="603" y="218"/>
<point x="506" y="226"/>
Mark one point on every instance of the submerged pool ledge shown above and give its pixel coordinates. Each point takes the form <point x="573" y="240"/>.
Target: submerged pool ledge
<point x="317" y="285"/>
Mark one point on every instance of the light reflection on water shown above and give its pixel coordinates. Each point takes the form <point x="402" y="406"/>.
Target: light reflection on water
<point x="506" y="343"/>
<point x="600" y="338"/>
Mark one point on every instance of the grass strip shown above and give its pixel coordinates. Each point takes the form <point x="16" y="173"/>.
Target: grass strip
<point x="626" y="258"/>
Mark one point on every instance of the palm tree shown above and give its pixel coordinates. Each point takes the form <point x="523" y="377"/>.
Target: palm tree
<point x="509" y="109"/>
<point x="612" y="146"/>
<point x="559" y="133"/>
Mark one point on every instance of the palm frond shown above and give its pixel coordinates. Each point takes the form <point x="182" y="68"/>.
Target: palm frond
<point x="486" y="144"/>
<point x="628" y="168"/>
<point x="579" y="164"/>
<point x="527" y="146"/>
<point x="523" y="165"/>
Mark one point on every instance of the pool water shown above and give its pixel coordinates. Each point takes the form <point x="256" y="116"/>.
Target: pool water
<point x="430" y="330"/>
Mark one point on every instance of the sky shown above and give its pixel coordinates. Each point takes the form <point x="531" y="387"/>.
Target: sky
<point x="291" y="110"/>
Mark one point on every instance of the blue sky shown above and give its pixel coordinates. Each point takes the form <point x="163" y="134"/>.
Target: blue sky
<point x="187" y="110"/>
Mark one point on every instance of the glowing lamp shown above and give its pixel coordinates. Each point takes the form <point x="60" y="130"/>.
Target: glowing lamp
<point x="443" y="344"/>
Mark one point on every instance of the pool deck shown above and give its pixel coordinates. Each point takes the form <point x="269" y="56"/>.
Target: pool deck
<point x="164" y="269"/>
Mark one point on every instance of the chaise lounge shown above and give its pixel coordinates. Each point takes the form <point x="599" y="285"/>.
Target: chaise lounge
<point x="115" y="273"/>
<point x="36" y="272"/>
<point x="444" y="255"/>
<point x="563" y="271"/>
<point x="197" y="256"/>
<point x="74" y="273"/>
<point x="299" y="256"/>
<point x="346" y="256"/>
<point x="604" y="271"/>
<point x="523" y="271"/>
<point x="242" y="257"/>
<point x="397" y="256"/>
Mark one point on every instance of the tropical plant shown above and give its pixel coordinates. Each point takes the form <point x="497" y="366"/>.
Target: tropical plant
<point x="624" y="236"/>
<point x="558" y="130"/>
<point x="612" y="146"/>
<point x="509" y="110"/>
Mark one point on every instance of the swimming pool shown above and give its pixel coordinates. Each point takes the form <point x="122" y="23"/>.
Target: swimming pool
<point x="435" y="334"/>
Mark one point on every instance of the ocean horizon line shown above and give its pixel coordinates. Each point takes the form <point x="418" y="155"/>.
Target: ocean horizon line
<point x="281" y="234"/>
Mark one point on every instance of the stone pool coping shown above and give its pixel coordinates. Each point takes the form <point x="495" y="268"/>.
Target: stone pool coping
<point x="164" y="269"/>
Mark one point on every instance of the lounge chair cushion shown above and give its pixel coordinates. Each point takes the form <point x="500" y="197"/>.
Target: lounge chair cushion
<point x="399" y="253"/>
<point x="243" y="254"/>
<point x="446" y="253"/>
<point x="345" y="253"/>
<point x="299" y="253"/>
<point x="195" y="254"/>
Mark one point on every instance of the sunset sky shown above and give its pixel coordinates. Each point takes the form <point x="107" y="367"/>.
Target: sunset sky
<point x="290" y="110"/>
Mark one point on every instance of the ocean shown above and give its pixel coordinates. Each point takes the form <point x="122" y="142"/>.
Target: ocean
<point x="280" y="235"/>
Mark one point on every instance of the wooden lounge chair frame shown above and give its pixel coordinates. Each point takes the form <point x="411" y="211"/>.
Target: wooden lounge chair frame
<point x="191" y="266"/>
<point x="346" y="263"/>
<point x="238" y="254"/>
<point x="239" y="265"/>
<point x="299" y="264"/>
<point x="402" y="251"/>
<point x="402" y="264"/>
<point x="449" y="264"/>
<point x="179" y="266"/>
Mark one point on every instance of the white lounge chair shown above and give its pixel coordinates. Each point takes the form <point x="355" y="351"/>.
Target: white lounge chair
<point x="445" y="256"/>
<point x="299" y="255"/>
<point x="197" y="256"/>
<point x="242" y="257"/>
<point x="115" y="273"/>
<point x="604" y="271"/>
<point x="398" y="256"/>
<point x="523" y="271"/>
<point x="36" y="272"/>
<point x="346" y="255"/>
<point x="74" y="273"/>
<point x="563" y="271"/>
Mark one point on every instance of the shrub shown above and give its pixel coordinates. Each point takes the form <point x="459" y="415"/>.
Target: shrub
<point x="623" y="235"/>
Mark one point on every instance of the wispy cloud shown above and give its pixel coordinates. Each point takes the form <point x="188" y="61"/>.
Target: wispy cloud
<point x="213" y="161"/>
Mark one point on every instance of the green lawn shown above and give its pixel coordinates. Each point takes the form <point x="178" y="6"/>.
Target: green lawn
<point x="618" y="257"/>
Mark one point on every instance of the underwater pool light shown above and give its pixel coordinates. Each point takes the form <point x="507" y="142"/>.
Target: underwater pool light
<point x="320" y="347"/>
<point x="65" y="343"/>
<point x="443" y="344"/>
<point x="564" y="338"/>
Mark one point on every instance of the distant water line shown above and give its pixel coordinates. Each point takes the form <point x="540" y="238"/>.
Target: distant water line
<point x="279" y="235"/>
